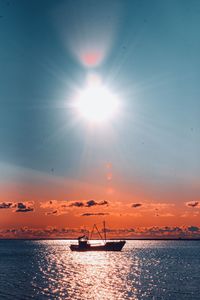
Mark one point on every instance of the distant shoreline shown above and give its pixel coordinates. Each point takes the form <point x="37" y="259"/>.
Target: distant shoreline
<point x="111" y="239"/>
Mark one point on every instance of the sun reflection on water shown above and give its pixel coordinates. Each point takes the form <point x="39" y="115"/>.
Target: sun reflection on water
<point x="144" y="270"/>
<point x="86" y="275"/>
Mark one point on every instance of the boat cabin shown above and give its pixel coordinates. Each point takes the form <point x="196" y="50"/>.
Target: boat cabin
<point x="83" y="242"/>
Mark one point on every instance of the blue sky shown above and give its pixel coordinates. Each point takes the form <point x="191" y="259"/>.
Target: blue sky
<point x="152" y="62"/>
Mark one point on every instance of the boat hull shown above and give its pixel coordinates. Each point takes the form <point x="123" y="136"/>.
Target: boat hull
<point x="108" y="246"/>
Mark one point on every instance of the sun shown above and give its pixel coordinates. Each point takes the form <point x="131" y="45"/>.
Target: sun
<point x="96" y="103"/>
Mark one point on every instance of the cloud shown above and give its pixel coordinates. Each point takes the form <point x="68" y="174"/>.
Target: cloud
<point x="135" y="205"/>
<point x="90" y="203"/>
<point x="193" y="228"/>
<point x="193" y="204"/>
<point x="50" y="204"/>
<point x="104" y="202"/>
<point x="24" y="207"/>
<point x="94" y="214"/>
<point x="150" y="206"/>
<point x="64" y="207"/>
<point x="51" y="213"/>
<point x="93" y="203"/>
<point x="76" y="204"/>
<point x="4" y="205"/>
<point x="18" y="206"/>
<point x="48" y="232"/>
<point x="154" y="232"/>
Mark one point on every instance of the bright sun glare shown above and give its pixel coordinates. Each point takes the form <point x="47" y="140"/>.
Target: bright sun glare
<point x="96" y="103"/>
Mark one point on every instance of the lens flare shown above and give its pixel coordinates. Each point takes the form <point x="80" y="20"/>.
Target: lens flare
<point x="88" y="32"/>
<point x="91" y="59"/>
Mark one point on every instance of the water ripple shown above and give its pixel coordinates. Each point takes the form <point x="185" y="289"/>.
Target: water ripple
<point x="143" y="270"/>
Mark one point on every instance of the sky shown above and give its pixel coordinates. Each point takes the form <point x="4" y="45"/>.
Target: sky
<point x="140" y="169"/>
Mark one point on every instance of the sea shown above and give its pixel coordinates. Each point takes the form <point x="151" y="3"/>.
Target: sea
<point x="47" y="269"/>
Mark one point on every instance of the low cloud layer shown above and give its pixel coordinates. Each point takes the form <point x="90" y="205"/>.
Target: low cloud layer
<point x="193" y="204"/>
<point x="155" y="232"/>
<point x="26" y="206"/>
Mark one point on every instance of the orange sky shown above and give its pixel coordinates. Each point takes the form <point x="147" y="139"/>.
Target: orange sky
<point x="52" y="201"/>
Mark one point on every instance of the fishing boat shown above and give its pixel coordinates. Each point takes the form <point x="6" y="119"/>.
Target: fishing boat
<point x="84" y="243"/>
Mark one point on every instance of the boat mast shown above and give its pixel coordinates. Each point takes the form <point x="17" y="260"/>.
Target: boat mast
<point x="92" y="232"/>
<point x="104" y="229"/>
<point x="99" y="233"/>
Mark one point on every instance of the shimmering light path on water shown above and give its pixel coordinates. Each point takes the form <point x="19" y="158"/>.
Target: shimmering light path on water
<point x="143" y="270"/>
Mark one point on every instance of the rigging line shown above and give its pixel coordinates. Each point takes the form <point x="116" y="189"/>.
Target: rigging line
<point x="104" y="230"/>
<point x="98" y="231"/>
<point x="92" y="231"/>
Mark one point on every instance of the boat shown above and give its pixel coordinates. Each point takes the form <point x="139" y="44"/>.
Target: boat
<point x="84" y="243"/>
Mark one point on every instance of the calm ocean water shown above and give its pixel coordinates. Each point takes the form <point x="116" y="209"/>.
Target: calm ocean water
<point x="143" y="270"/>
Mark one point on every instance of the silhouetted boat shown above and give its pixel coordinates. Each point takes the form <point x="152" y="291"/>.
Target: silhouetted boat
<point x="85" y="245"/>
